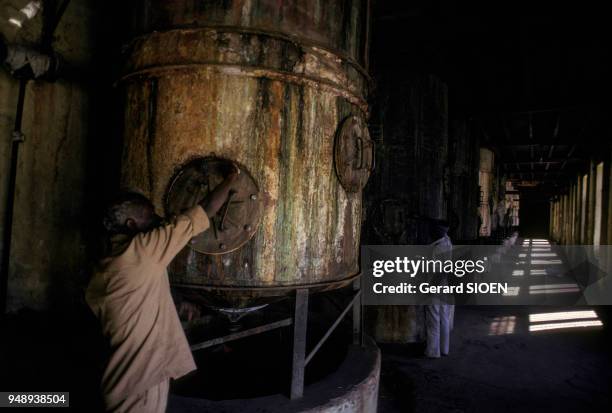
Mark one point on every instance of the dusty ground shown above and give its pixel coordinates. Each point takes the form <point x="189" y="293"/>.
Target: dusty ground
<point x="555" y="371"/>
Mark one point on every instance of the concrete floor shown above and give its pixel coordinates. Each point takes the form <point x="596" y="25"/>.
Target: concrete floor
<point x="496" y="364"/>
<point x="554" y="371"/>
<point x="567" y="371"/>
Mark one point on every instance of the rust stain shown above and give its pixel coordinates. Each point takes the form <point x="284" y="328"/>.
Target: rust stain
<point x="152" y="119"/>
<point x="264" y="98"/>
<point x="244" y="53"/>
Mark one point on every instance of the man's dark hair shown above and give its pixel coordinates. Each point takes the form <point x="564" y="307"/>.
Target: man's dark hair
<point x="122" y="207"/>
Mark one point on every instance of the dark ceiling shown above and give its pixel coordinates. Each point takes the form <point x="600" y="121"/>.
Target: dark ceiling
<point x="538" y="88"/>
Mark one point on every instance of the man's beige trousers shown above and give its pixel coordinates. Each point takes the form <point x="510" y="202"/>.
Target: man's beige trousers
<point x="153" y="400"/>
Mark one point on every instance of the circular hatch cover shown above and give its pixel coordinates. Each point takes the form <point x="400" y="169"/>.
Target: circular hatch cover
<point x="238" y="218"/>
<point x="353" y="154"/>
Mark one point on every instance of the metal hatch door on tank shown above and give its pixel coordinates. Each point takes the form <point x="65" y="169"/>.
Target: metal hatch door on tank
<point x="208" y="271"/>
<point x="237" y="220"/>
<point x="353" y="154"/>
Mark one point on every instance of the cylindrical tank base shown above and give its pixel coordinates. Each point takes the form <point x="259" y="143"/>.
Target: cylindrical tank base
<point x="394" y="323"/>
<point x="352" y="388"/>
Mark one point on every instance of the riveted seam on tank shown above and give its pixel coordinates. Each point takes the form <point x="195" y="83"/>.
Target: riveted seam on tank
<point x="215" y="29"/>
<point x="228" y="69"/>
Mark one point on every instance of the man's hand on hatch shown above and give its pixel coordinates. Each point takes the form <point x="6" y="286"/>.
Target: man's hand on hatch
<point x="215" y="200"/>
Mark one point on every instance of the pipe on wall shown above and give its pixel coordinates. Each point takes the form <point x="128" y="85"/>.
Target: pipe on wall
<point x="17" y="139"/>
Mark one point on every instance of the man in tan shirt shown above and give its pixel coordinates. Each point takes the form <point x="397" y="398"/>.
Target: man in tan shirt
<point x="130" y="295"/>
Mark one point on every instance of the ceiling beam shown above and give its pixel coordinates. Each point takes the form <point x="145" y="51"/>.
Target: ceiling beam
<point x="542" y="162"/>
<point x="536" y="143"/>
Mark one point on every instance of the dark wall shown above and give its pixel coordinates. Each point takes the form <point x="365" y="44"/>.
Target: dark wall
<point x="463" y="190"/>
<point x="534" y="214"/>
<point x="411" y="117"/>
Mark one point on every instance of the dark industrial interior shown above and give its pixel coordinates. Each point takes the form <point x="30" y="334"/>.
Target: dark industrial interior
<point x="352" y="122"/>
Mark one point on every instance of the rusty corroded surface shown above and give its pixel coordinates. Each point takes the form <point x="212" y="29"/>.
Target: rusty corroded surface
<point x="274" y="106"/>
<point x="237" y="220"/>
<point x="353" y="154"/>
<point x="237" y="53"/>
<point x="394" y="323"/>
<point x="340" y="25"/>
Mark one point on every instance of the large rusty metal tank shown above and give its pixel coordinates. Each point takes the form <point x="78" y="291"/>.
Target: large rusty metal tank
<point x="412" y="184"/>
<point x="279" y="87"/>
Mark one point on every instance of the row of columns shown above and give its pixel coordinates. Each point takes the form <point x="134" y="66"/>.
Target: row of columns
<point x="580" y="216"/>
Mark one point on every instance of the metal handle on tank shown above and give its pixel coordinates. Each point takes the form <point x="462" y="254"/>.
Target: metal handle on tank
<point x="360" y="149"/>
<point x="372" y="166"/>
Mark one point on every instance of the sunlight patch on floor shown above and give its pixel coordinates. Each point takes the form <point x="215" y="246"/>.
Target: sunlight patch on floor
<point x="579" y="319"/>
<point x="502" y="325"/>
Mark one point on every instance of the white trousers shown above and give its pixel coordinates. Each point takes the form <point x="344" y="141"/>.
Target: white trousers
<point x="439" y="320"/>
